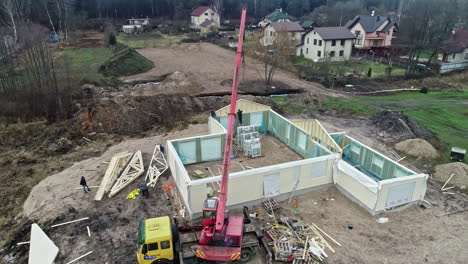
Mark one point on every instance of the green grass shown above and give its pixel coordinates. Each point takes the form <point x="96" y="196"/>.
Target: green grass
<point x="151" y="40"/>
<point x="84" y="63"/>
<point x="332" y="104"/>
<point x="424" y="54"/>
<point x="378" y="70"/>
<point x="444" y="114"/>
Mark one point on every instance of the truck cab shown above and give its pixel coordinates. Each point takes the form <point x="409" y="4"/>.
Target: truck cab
<point x="155" y="241"/>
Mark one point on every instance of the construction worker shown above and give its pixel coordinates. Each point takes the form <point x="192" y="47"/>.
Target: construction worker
<point x="161" y="148"/>
<point x="84" y="184"/>
<point x="144" y="189"/>
<point x="239" y="116"/>
<point x="213" y="113"/>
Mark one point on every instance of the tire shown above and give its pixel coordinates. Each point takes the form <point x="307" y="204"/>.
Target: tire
<point x="162" y="261"/>
<point x="246" y="255"/>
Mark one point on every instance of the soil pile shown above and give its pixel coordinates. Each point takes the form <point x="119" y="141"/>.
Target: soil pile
<point x="133" y="115"/>
<point x="459" y="169"/>
<point x="176" y="83"/>
<point x="399" y="126"/>
<point x="419" y="148"/>
<point x="126" y="62"/>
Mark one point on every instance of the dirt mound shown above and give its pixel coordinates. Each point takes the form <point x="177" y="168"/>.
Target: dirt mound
<point x="419" y="148"/>
<point x="176" y="83"/>
<point x="399" y="126"/>
<point x="126" y="62"/>
<point x="133" y="115"/>
<point x="459" y="169"/>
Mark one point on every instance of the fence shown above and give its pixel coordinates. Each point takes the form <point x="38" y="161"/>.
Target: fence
<point x="448" y="67"/>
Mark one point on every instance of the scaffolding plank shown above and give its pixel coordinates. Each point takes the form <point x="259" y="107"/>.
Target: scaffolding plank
<point x="158" y="166"/>
<point x="133" y="170"/>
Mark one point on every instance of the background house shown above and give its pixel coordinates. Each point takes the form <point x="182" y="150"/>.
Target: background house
<point x="327" y="43"/>
<point x="276" y="16"/>
<point x="455" y="49"/>
<point x="372" y="32"/>
<point x="208" y="26"/>
<point x="309" y="24"/>
<point x="295" y="31"/>
<point x="202" y="14"/>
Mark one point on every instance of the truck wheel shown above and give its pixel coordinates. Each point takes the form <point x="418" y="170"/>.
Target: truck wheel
<point x="246" y="255"/>
<point x="162" y="261"/>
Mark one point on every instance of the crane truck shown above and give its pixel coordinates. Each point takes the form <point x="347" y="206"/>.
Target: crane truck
<point x="222" y="239"/>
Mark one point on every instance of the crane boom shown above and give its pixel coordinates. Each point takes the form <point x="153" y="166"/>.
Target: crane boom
<point x="222" y="194"/>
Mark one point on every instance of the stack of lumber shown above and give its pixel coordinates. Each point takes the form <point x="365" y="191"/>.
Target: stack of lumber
<point x="302" y="244"/>
<point x="116" y="166"/>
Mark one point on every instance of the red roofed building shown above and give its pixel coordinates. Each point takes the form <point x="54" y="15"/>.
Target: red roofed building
<point x="202" y="14"/>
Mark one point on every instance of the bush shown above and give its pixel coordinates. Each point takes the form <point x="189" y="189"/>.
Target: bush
<point x="112" y="39"/>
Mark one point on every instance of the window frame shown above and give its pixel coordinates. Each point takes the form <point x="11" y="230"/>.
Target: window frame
<point x="341" y="53"/>
<point x="163" y="243"/>
<point x="150" y="244"/>
<point x="315" y="42"/>
<point x="320" y="42"/>
<point x="343" y="42"/>
<point x="333" y="43"/>
<point x="332" y="54"/>
<point x="319" y="53"/>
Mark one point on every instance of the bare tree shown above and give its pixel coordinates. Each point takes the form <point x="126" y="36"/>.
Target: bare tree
<point x="275" y="56"/>
<point x="218" y="6"/>
<point x="10" y="11"/>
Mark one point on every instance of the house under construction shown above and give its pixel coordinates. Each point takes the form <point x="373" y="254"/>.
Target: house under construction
<point x="301" y="156"/>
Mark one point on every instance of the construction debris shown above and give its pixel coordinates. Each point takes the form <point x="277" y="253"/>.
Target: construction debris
<point x="133" y="195"/>
<point x="116" y="165"/>
<point x="69" y="222"/>
<point x="158" y="166"/>
<point x="80" y="257"/>
<point x="302" y="244"/>
<point x="443" y="187"/>
<point x="42" y="250"/>
<point x="133" y="170"/>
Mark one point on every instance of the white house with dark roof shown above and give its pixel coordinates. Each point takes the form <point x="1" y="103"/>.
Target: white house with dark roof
<point x="294" y="29"/>
<point x="202" y="14"/>
<point x="372" y="31"/>
<point x="327" y="43"/>
<point x="455" y="49"/>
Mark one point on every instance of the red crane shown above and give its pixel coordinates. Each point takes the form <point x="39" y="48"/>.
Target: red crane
<point x="221" y="238"/>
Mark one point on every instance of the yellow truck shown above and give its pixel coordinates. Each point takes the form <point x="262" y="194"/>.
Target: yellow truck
<point x="162" y="241"/>
<point x="155" y="241"/>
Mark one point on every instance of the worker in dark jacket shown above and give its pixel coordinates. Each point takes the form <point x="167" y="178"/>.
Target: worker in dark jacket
<point x="144" y="189"/>
<point x="239" y="116"/>
<point x="84" y="184"/>
<point x="212" y="113"/>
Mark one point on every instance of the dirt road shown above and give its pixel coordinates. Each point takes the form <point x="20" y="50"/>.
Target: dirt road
<point x="210" y="65"/>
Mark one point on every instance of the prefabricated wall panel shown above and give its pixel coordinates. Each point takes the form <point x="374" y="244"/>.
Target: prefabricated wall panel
<point x="378" y="185"/>
<point x="248" y="186"/>
<point x="200" y="149"/>
<point x="214" y="127"/>
<point x="245" y="105"/>
<point x="318" y="133"/>
<point x="257" y="119"/>
<point x="179" y="173"/>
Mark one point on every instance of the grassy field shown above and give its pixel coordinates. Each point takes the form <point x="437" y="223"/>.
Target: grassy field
<point x="84" y="63"/>
<point x="148" y="40"/>
<point x="444" y="114"/>
<point x="378" y="70"/>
